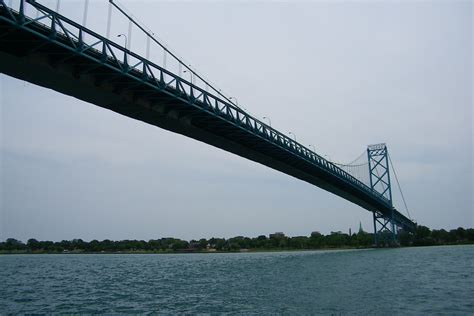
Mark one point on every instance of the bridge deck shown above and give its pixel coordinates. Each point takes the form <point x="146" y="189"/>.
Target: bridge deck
<point x="53" y="56"/>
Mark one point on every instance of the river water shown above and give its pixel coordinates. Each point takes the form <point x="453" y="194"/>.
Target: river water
<point x="430" y="280"/>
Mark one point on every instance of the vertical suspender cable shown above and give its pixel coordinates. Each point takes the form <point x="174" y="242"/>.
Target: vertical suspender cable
<point x="164" y="59"/>
<point x="109" y="20"/>
<point x="58" y="4"/>
<point x="86" y="8"/>
<point x="147" y="47"/>
<point x="130" y="26"/>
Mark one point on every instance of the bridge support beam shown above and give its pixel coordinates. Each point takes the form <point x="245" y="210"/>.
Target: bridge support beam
<point x="385" y="231"/>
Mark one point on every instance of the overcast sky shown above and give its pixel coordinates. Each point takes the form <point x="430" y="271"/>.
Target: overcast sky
<point x="340" y="75"/>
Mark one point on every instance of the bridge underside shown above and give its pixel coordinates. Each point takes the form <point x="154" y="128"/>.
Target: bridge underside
<point x="27" y="56"/>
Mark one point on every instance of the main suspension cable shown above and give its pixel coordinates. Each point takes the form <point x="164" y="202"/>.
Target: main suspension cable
<point x="399" y="187"/>
<point x="352" y="162"/>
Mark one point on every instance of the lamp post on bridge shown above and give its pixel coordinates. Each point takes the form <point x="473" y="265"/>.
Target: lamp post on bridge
<point x="126" y="39"/>
<point x="235" y="99"/>
<point x="294" y="136"/>
<point x="191" y="73"/>
<point x="125" y="51"/>
<point x="237" y="103"/>
<point x="269" y="121"/>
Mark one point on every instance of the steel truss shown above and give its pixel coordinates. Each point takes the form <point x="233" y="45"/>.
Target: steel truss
<point x="385" y="228"/>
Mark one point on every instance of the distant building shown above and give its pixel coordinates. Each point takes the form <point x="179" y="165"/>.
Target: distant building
<point x="277" y="235"/>
<point x="361" y="231"/>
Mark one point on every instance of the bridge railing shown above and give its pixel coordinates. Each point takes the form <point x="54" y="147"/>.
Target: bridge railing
<point x="69" y="34"/>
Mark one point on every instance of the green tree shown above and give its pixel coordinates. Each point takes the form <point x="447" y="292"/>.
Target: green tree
<point x="12" y="244"/>
<point x="33" y="244"/>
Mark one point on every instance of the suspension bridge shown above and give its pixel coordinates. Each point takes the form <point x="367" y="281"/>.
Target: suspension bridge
<point x="40" y="45"/>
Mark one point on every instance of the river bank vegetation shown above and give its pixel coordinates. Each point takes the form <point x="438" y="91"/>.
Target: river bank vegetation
<point x="278" y="241"/>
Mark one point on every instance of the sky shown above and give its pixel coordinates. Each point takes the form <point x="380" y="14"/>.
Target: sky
<point x="339" y="75"/>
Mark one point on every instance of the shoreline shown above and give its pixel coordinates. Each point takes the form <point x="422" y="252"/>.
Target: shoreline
<point x="172" y="252"/>
<point x="211" y="252"/>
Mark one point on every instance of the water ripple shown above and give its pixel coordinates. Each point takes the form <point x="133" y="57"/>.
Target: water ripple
<point x="433" y="280"/>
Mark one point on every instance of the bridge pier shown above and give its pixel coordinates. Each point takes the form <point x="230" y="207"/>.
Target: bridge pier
<point x="379" y="177"/>
<point x="385" y="231"/>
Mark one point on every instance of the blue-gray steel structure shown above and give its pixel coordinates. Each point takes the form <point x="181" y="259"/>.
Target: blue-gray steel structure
<point x="379" y="176"/>
<point x="50" y="51"/>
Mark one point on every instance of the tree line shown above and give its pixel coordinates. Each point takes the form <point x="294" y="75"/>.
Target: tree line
<point x="422" y="237"/>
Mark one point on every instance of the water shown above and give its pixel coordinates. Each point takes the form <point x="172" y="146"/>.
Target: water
<point x="392" y="281"/>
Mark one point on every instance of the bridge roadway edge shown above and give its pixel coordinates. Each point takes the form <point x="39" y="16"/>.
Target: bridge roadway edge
<point x="24" y="69"/>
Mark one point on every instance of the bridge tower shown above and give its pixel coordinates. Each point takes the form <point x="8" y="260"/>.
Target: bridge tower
<point x="385" y="230"/>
